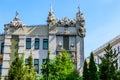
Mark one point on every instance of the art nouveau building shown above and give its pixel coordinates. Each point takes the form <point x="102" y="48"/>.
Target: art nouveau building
<point x="115" y="43"/>
<point x="38" y="39"/>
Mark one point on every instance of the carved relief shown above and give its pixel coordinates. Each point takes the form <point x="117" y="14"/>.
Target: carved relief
<point x="50" y="19"/>
<point x="65" y="22"/>
<point x="80" y="18"/>
<point x="13" y="25"/>
<point x="16" y="23"/>
<point x="81" y="32"/>
<point x="73" y="56"/>
<point x="81" y="23"/>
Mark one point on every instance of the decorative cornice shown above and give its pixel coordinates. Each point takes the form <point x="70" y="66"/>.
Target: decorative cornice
<point x="65" y="22"/>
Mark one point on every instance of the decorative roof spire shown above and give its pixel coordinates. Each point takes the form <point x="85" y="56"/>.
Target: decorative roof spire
<point x="16" y="21"/>
<point x="51" y="8"/>
<point x="79" y="15"/>
<point x="16" y="16"/>
<point x="50" y="17"/>
<point x="79" y="9"/>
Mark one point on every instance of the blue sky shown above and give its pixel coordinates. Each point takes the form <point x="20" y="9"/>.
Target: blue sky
<point x="102" y="16"/>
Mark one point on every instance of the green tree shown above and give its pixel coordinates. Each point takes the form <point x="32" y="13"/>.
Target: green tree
<point x="107" y="67"/>
<point x="46" y="67"/>
<point x="31" y="73"/>
<point x="118" y="75"/>
<point x="85" y="71"/>
<point x="17" y="68"/>
<point x="61" y="68"/>
<point x="92" y="69"/>
<point x="30" y="61"/>
<point x="64" y="68"/>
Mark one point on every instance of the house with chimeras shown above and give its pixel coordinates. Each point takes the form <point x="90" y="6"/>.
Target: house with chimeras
<point x="56" y="35"/>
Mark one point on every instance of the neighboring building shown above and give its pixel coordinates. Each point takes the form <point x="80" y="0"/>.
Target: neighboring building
<point x="38" y="39"/>
<point x="115" y="43"/>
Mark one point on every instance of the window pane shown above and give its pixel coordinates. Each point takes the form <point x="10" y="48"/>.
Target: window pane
<point x="36" y="61"/>
<point x="43" y="61"/>
<point x="36" y="65"/>
<point x="36" y="68"/>
<point x="36" y="43"/>
<point x="45" y="43"/>
<point x="0" y="69"/>
<point x="26" y="62"/>
<point x="66" y="42"/>
<point x="2" y="48"/>
<point x="118" y="48"/>
<point x="28" y="43"/>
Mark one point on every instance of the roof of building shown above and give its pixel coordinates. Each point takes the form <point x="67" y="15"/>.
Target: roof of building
<point x="32" y="30"/>
<point x="41" y="30"/>
<point x="112" y="42"/>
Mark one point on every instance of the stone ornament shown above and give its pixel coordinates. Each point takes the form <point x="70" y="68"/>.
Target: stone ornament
<point x="66" y="22"/>
<point x="50" y="18"/>
<point x="16" y="23"/>
<point x="81" y="31"/>
<point x="80" y="19"/>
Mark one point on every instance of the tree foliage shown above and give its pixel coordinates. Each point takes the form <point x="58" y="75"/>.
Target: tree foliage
<point x="31" y="73"/>
<point x="61" y="68"/>
<point x="85" y="71"/>
<point x="108" y="64"/>
<point x="46" y="67"/>
<point x="92" y="69"/>
<point x="18" y="70"/>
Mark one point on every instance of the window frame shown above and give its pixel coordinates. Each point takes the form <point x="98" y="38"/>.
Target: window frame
<point x="2" y="48"/>
<point x="37" y="40"/>
<point x="43" y="61"/>
<point x="28" y="41"/>
<point x="26" y="62"/>
<point x="66" y="42"/>
<point x="0" y="70"/>
<point x="45" y="40"/>
<point x="118" y="48"/>
<point x="37" y="65"/>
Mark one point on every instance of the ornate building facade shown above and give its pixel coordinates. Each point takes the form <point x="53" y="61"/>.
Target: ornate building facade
<point x="54" y="37"/>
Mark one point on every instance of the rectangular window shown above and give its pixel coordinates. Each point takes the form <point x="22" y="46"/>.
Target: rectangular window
<point x="43" y="61"/>
<point x="118" y="48"/>
<point x="36" y="65"/>
<point x="45" y="43"/>
<point x="0" y="69"/>
<point x="28" y="43"/>
<point x="36" y="43"/>
<point x="26" y="62"/>
<point x="2" y="48"/>
<point x="66" y="42"/>
<point x="98" y="59"/>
